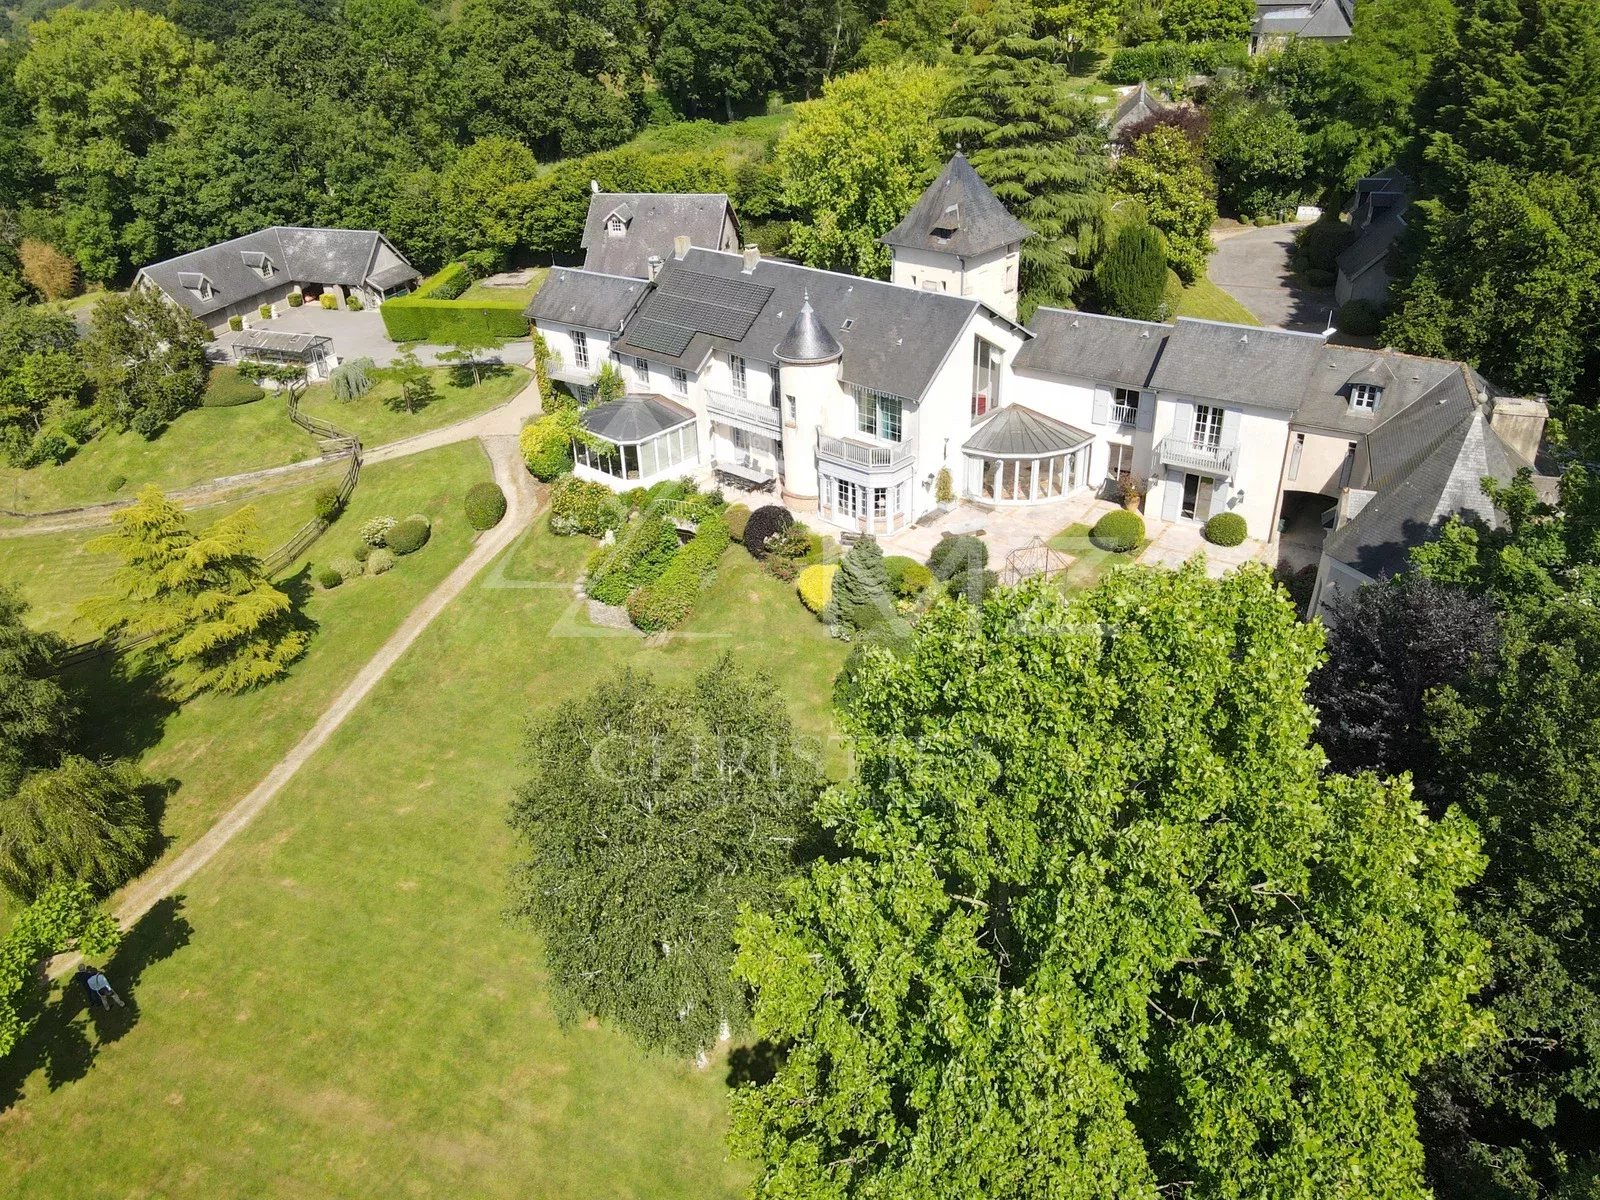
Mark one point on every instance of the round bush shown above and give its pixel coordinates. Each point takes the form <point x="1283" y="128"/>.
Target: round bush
<point x="546" y="444"/>
<point x="266" y="311"/>
<point x="815" y="585"/>
<point x="1318" y="278"/>
<point x="327" y="300"/>
<point x="1226" y="529"/>
<point x="486" y="504"/>
<point x="296" y="299"/>
<point x="737" y="516"/>
<point x="361" y="552"/>
<point x="380" y="561"/>
<point x="907" y="577"/>
<point x="1118" y="531"/>
<point x="763" y="523"/>
<point x="347" y="567"/>
<point x="329" y="578"/>
<point x="374" y="532"/>
<point x="408" y="536"/>
<point x="956" y="554"/>
<point x="227" y="387"/>
<point x="1359" y="318"/>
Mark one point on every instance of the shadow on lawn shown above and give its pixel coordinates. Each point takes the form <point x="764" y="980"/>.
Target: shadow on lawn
<point x="124" y="707"/>
<point x="60" y="1041"/>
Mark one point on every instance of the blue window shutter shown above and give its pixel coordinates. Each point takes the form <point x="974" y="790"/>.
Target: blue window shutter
<point x="1147" y="412"/>
<point x="1171" y="496"/>
<point x="1102" y="406"/>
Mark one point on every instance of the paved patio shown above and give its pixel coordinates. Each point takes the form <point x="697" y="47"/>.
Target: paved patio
<point x="361" y="335"/>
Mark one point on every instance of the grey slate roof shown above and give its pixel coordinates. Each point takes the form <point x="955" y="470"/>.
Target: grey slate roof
<point x="1263" y="368"/>
<point x="1019" y="431"/>
<point x="808" y="339"/>
<point x="1330" y="19"/>
<point x="896" y="339"/>
<point x="585" y="298"/>
<point x="1445" y="481"/>
<point x="653" y="219"/>
<point x="1405" y="379"/>
<point x="1134" y="107"/>
<point x="635" y="418"/>
<point x="1083" y="345"/>
<point x="1374" y="243"/>
<point x="346" y="257"/>
<point x="957" y="214"/>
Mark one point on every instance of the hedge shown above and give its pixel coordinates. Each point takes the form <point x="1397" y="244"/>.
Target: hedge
<point x="736" y="515"/>
<point x="227" y="388"/>
<point x="668" y="601"/>
<point x="643" y="555"/>
<point x="815" y="585"/>
<point x="430" y="315"/>
<point x="1172" y="60"/>
<point x="1226" y="529"/>
<point x="486" y="505"/>
<point x="907" y="577"/>
<point x="578" y="506"/>
<point x="1119" y="531"/>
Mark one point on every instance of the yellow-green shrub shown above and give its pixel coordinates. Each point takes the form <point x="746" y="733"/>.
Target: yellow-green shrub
<point x="815" y="585"/>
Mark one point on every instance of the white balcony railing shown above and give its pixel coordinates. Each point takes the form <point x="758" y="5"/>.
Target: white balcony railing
<point x="763" y="418"/>
<point x="865" y="456"/>
<point x="1185" y="454"/>
<point x="1124" y="414"/>
<point x="571" y="373"/>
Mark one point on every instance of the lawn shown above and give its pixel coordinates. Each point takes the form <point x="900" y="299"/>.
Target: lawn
<point x="200" y="445"/>
<point x="335" y="1007"/>
<point x="214" y="749"/>
<point x="523" y="295"/>
<point x="1089" y="562"/>
<point x="380" y="417"/>
<point x="1207" y="301"/>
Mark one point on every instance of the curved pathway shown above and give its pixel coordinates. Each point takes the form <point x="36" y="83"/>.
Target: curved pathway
<point x="523" y="500"/>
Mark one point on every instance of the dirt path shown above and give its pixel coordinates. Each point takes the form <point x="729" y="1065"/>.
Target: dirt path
<point x="522" y="503"/>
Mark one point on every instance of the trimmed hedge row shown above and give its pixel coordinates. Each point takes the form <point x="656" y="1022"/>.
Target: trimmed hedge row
<point x="431" y="314"/>
<point x="1173" y="60"/>
<point x="668" y="601"/>
<point x="227" y="388"/>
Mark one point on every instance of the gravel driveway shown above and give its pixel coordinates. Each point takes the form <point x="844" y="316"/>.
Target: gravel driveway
<point x="1253" y="267"/>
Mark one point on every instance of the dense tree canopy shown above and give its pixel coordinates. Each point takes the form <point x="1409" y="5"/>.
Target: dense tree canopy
<point x="1100" y="924"/>
<point x="64" y="918"/>
<point x="1165" y="173"/>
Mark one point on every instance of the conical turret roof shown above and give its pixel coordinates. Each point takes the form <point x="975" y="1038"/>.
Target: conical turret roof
<point x="808" y="339"/>
<point x="958" y="214"/>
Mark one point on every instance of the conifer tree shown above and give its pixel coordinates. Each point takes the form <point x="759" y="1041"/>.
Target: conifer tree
<point x="861" y="599"/>
<point x="202" y="598"/>
<point x="79" y="821"/>
<point x="1039" y="146"/>
<point x="1132" y="274"/>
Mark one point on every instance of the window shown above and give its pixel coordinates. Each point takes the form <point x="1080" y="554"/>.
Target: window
<point x="1125" y="406"/>
<point x="641" y="368"/>
<point x="740" y="438"/>
<point x="1364" y="397"/>
<point x="741" y="386"/>
<point x="849" y="498"/>
<point x="615" y="226"/>
<point x="1295" y="456"/>
<point x="580" y="349"/>
<point x="878" y="414"/>
<point x="792" y="407"/>
<point x="1207" y="427"/>
<point x="1119" y="464"/>
<point x="985" y="377"/>
<point x="680" y="382"/>
<point x="880" y="502"/>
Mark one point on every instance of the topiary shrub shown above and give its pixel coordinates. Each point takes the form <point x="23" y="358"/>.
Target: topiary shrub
<point x="236" y="323"/>
<point x="908" y="578"/>
<point x="328" y="578"/>
<point x="327" y="300"/>
<point x="944" y="487"/>
<point x="815" y="585"/>
<point x="296" y="299"/>
<point x="767" y="520"/>
<point x="266" y="311"/>
<point x="1359" y="318"/>
<point x="380" y="561"/>
<point x="361" y="552"/>
<point x="639" y="558"/>
<point x="668" y="601"/>
<point x="546" y="444"/>
<point x="326" y="503"/>
<point x="955" y="553"/>
<point x="116" y="483"/>
<point x="375" y="531"/>
<point x="353" y="302"/>
<point x="1119" y="531"/>
<point x="227" y="388"/>
<point x="408" y="536"/>
<point x="736" y="516"/>
<point x="579" y="506"/>
<point x="486" y="505"/>
<point x="1226" y="529"/>
<point x="861" y="601"/>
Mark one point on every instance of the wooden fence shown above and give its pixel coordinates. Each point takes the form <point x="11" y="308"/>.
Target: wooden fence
<point x="336" y="443"/>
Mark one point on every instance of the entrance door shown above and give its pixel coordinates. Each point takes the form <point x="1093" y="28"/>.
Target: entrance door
<point x="1196" y="496"/>
<point x="852" y="500"/>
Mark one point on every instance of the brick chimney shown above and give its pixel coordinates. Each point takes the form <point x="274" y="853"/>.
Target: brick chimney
<point x="752" y="256"/>
<point x="1520" y="423"/>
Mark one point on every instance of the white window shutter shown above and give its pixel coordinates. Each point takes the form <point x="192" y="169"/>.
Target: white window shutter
<point x="1102" y="406"/>
<point x="1221" y="493"/>
<point x="1147" y="412"/>
<point x="1171" y="496"/>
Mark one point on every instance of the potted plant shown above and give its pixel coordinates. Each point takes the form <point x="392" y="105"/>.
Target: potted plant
<point x="1133" y="493"/>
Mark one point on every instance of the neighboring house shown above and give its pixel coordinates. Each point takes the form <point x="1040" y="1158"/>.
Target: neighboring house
<point x="850" y="396"/>
<point x="1277" y="21"/>
<point x="236" y="277"/>
<point x="631" y="233"/>
<point x="1378" y="214"/>
<point x="1139" y="104"/>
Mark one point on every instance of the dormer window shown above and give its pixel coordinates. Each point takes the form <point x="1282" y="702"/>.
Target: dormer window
<point x="615" y="226"/>
<point x="199" y="284"/>
<point x="259" y="263"/>
<point x="1364" y="397"/>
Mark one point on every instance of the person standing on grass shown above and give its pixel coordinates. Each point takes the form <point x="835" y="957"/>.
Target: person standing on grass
<point x="101" y="986"/>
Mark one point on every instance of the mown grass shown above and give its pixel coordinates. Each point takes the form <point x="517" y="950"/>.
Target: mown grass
<point x="1207" y="301"/>
<point x="523" y="294"/>
<point x="1089" y="562"/>
<point x="380" y="416"/>
<point x="337" y="1008"/>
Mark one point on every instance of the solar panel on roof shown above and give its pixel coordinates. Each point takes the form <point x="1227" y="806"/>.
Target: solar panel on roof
<point x="659" y="336"/>
<point x="697" y="315"/>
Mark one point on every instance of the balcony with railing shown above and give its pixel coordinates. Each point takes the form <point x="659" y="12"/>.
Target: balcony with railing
<point x="1124" y="414"/>
<point x="865" y="456"/>
<point x="746" y="414"/>
<point x="572" y="373"/>
<point x="1205" y="457"/>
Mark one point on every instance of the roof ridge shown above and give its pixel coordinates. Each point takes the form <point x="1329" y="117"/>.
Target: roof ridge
<point x="774" y="262"/>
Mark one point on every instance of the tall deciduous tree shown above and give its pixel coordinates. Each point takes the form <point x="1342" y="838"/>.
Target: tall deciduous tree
<point x="1207" y="20"/>
<point x="37" y="717"/>
<point x="78" y="821"/>
<point x="1166" y="175"/>
<point x="854" y="162"/>
<point x="64" y="919"/>
<point x="1041" y="149"/>
<point x="213" y="614"/>
<point x="1099" y="925"/>
<point x="1259" y="152"/>
<point x="653" y="813"/>
<point x="146" y="357"/>
<point x="717" y="54"/>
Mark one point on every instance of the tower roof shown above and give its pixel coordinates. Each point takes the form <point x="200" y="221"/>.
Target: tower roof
<point x="808" y="339"/>
<point x="958" y="214"/>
